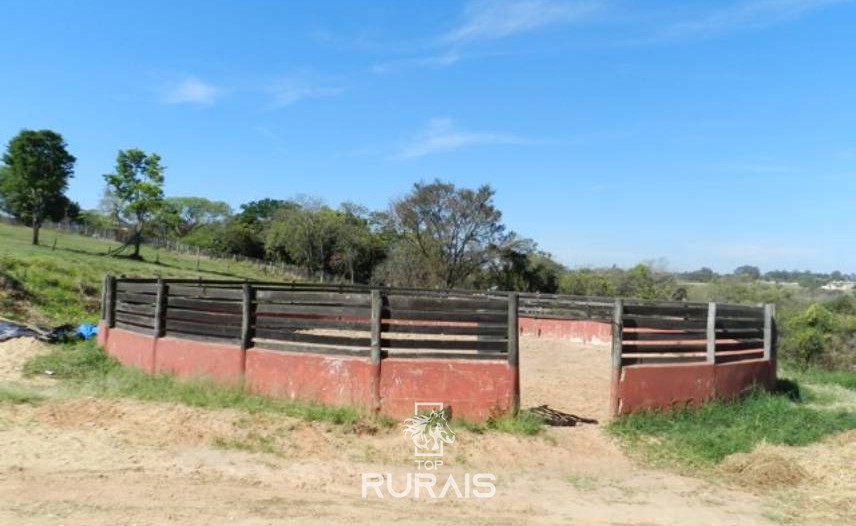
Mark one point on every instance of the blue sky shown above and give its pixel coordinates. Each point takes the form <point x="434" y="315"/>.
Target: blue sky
<point x="712" y="133"/>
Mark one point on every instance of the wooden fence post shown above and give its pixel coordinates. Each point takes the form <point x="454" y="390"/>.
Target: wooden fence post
<point x="247" y="316"/>
<point x="160" y="308"/>
<point x="375" y="351"/>
<point x="514" y="350"/>
<point x="711" y="332"/>
<point x="769" y="312"/>
<point x="617" y="339"/>
<point x="111" y="301"/>
<point x="105" y="285"/>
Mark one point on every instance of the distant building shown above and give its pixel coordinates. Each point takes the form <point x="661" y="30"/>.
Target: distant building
<point x="840" y="285"/>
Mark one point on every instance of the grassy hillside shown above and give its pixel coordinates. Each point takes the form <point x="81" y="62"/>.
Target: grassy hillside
<point x="60" y="280"/>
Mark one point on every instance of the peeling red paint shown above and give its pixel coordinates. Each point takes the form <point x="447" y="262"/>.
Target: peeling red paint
<point x="189" y="359"/>
<point x="475" y="390"/>
<point x="130" y="348"/>
<point x="667" y="386"/>
<point x="337" y="380"/>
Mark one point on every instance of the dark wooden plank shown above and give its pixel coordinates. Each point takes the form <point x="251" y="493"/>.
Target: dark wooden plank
<point x="476" y="345"/>
<point x="664" y="323"/>
<point x="148" y="331"/>
<point x="544" y="314"/>
<point x="663" y="336"/>
<point x="687" y="312"/>
<point x="739" y="324"/>
<point x="201" y="337"/>
<point x="314" y="298"/>
<point x="136" y="308"/>
<point x="263" y="344"/>
<point x="137" y="288"/>
<point x="329" y="310"/>
<point x="740" y="346"/>
<point x="496" y="356"/>
<point x="136" y="298"/>
<point x="205" y="305"/>
<point x="451" y="330"/>
<point x="739" y="333"/>
<point x="662" y="360"/>
<point x="321" y="339"/>
<point x="473" y="317"/>
<point x="445" y="304"/>
<point x="146" y="321"/>
<point x="211" y="318"/>
<point x="219" y="331"/>
<point x="654" y="348"/>
<point x="205" y="292"/>
<point x="740" y="311"/>
<point x="270" y="322"/>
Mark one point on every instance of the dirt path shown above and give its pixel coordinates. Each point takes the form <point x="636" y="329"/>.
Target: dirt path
<point x="94" y="461"/>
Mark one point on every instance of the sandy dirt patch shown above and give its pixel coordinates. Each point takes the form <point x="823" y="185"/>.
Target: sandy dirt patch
<point x="86" y="461"/>
<point x="15" y="353"/>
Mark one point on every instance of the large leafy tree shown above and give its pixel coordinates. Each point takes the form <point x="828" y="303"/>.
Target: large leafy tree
<point x="137" y="186"/>
<point x="179" y="216"/>
<point x="455" y="231"/>
<point x="35" y="178"/>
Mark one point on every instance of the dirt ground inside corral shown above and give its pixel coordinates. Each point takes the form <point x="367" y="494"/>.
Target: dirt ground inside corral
<point x="86" y="461"/>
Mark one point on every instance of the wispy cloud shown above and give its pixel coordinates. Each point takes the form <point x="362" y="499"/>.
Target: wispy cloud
<point x="289" y="90"/>
<point x="441" y="136"/>
<point x="494" y="19"/>
<point x="446" y="58"/>
<point x="191" y="90"/>
<point x="748" y="14"/>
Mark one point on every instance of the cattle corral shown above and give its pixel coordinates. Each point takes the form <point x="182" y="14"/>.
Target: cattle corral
<point x="382" y="349"/>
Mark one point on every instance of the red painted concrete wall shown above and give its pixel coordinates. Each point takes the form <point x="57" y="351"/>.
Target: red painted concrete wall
<point x="472" y="389"/>
<point x="130" y="348"/>
<point x="667" y="386"/>
<point x="188" y="359"/>
<point x="581" y="331"/>
<point x="335" y="380"/>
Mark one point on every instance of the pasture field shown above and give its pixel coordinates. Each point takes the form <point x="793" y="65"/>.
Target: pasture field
<point x="60" y="280"/>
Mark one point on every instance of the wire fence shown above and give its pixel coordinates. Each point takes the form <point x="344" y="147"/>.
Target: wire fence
<point x="123" y="235"/>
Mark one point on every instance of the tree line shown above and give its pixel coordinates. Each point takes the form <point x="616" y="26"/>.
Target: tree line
<point x="438" y="235"/>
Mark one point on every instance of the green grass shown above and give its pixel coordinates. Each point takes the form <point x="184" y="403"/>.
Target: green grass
<point x="705" y="436"/>
<point x="19" y="394"/>
<point x="89" y="371"/>
<point x="846" y="379"/>
<point x="63" y="284"/>
<point x="523" y="423"/>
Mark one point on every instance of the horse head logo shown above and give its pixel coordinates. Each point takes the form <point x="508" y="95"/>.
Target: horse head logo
<point x="429" y="431"/>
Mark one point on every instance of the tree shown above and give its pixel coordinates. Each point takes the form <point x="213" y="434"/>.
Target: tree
<point x="303" y="234"/>
<point x="138" y="187"/>
<point x="179" y="216"/>
<point x="35" y="178"/>
<point x="749" y="272"/>
<point x="455" y="231"/>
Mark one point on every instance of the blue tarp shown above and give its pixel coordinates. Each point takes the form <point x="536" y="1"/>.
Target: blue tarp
<point x="10" y="329"/>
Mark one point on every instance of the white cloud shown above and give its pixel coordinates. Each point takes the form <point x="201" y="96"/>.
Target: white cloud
<point x="192" y="90"/>
<point x="289" y="90"/>
<point x="494" y="19"/>
<point x="743" y="15"/>
<point x="441" y="136"/>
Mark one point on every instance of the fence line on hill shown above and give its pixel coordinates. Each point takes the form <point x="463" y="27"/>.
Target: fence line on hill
<point x="119" y="235"/>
